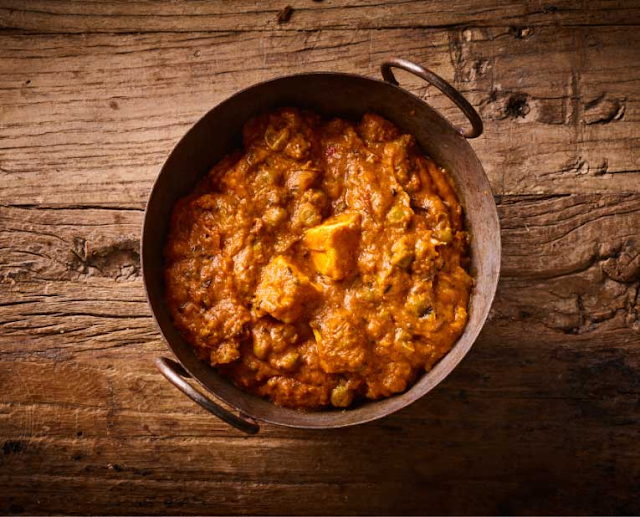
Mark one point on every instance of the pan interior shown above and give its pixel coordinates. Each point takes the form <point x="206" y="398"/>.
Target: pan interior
<point x="349" y="96"/>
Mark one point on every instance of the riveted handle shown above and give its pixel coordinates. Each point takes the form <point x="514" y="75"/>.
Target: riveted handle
<point x="442" y="85"/>
<point x="176" y="375"/>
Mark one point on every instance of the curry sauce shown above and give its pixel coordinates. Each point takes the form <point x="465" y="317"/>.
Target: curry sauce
<point x="326" y="262"/>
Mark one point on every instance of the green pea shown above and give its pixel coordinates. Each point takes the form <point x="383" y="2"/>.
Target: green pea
<point x="274" y="216"/>
<point x="289" y="360"/>
<point x="261" y="348"/>
<point x="341" y="396"/>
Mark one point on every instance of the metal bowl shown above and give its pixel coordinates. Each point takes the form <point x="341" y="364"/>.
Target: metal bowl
<point x="335" y="94"/>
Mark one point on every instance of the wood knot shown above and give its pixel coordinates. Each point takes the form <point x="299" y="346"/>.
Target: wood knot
<point x="119" y="260"/>
<point x="521" y="32"/>
<point x="13" y="447"/>
<point x="580" y="167"/>
<point x="505" y="105"/>
<point x="285" y="14"/>
<point x="604" y="109"/>
<point x="517" y="106"/>
<point x="624" y="265"/>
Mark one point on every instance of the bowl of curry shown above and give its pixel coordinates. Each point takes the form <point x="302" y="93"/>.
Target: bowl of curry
<point x="320" y="250"/>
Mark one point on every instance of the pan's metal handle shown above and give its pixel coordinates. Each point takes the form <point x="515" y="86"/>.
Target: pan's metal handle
<point x="442" y="85"/>
<point x="176" y="375"/>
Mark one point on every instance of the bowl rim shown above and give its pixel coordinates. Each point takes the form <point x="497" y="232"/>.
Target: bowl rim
<point x="409" y="396"/>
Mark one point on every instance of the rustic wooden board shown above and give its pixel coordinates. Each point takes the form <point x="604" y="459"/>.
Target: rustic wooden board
<point x="542" y="417"/>
<point x="219" y="15"/>
<point x="83" y="116"/>
<point x="89" y="424"/>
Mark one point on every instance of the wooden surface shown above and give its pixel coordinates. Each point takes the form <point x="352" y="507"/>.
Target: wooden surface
<point x="543" y="416"/>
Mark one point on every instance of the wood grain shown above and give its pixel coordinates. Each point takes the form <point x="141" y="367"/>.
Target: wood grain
<point x="542" y="417"/>
<point x="558" y="356"/>
<point x="74" y="132"/>
<point x="248" y="15"/>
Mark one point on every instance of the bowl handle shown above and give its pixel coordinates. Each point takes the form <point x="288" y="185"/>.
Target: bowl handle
<point x="176" y="375"/>
<point x="442" y="85"/>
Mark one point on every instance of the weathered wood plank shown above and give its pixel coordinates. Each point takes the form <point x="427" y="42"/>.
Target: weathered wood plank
<point x="83" y="458"/>
<point x="120" y="455"/>
<point x="558" y="356"/>
<point x="248" y="15"/>
<point x="541" y="416"/>
<point x="89" y="118"/>
<point x="126" y="472"/>
<point x="141" y="497"/>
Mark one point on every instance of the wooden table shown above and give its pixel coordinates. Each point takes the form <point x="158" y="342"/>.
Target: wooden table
<point x="543" y="415"/>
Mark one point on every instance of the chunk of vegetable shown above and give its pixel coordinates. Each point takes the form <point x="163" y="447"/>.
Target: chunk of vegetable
<point x="261" y="348"/>
<point x="306" y="216"/>
<point x="333" y="245"/>
<point x="276" y="139"/>
<point x="226" y="352"/>
<point x="288" y="361"/>
<point x="284" y="291"/>
<point x="399" y="214"/>
<point x="274" y="216"/>
<point x="403" y="252"/>
<point x="301" y="179"/>
<point x="308" y="211"/>
<point x="420" y="300"/>
<point x="342" y="346"/>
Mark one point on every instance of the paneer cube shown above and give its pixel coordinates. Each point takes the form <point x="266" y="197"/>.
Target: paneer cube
<point x="333" y="245"/>
<point x="284" y="291"/>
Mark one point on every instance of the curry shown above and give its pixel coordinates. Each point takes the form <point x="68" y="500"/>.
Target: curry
<point x="324" y="263"/>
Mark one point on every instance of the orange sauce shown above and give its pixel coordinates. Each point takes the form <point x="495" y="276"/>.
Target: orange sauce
<point x="326" y="262"/>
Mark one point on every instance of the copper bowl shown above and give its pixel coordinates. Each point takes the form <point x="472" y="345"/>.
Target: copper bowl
<point x="336" y="94"/>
